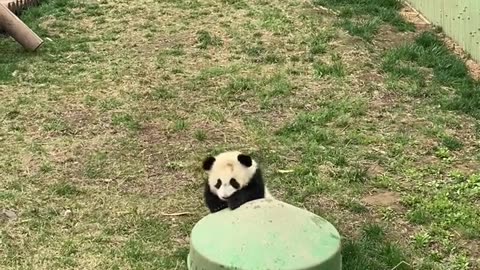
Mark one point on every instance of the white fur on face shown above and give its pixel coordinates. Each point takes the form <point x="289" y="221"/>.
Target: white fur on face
<point x="226" y="167"/>
<point x="225" y="191"/>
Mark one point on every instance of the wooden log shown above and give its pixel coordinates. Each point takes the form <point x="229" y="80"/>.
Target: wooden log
<point x="18" y="30"/>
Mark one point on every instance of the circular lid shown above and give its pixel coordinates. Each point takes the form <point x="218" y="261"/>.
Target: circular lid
<point x="264" y="234"/>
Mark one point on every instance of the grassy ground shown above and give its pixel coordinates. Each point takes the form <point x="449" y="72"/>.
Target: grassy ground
<point x="356" y="117"/>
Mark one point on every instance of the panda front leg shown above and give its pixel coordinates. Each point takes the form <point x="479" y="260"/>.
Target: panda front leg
<point x="238" y="198"/>
<point x="212" y="201"/>
<point x="253" y="191"/>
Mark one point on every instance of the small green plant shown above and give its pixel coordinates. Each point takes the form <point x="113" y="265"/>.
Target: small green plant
<point x="180" y="125"/>
<point x="241" y="84"/>
<point x="442" y="152"/>
<point x="177" y="50"/>
<point x="365" y="29"/>
<point x="200" y="135"/>
<point x="110" y="104"/>
<point x="125" y="120"/>
<point x="335" y="69"/>
<point x="319" y="42"/>
<point x="275" y="20"/>
<point x="65" y="189"/>
<point x="354" y="206"/>
<point x="161" y="93"/>
<point x="255" y="51"/>
<point x="272" y="58"/>
<point x="452" y="143"/>
<point x="356" y="174"/>
<point x="94" y="167"/>
<point x="57" y="125"/>
<point x="422" y="240"/>
<point x="205" y="40"/>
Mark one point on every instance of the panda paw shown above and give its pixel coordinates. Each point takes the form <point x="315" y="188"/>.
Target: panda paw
<point x="218" y="208"/>
<point x="235" y="202"/>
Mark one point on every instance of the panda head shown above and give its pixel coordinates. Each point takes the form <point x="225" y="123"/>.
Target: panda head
<point x="229" y="172"/>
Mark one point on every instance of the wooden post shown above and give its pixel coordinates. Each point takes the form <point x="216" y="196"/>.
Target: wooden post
<point x="18" y="30"/>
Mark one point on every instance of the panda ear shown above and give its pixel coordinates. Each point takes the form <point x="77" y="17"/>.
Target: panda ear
<point x="208" y="163"/>
<point x="245" y="160"/>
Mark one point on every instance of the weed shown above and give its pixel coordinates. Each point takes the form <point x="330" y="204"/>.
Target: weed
<point x="335" y="69"/>
<point x="354" y="206"/>
<point x="161" y="93"/>
<point x="205" y="40"/>
<point x="56" y="125"/>
<point x="241" y="85"/>
<point x="451" y="143"/>
<point x="110" y="104"/>
<point x="125" y="120"/>
<point x="180" y="125"/>
<point x="275" y="20"/>
<point x="176" y="51"/>
<point x="319" y="42"/>
<point x="365" y="29"/>
<point x="200" y="135"/>
<point x="65" y="189"/>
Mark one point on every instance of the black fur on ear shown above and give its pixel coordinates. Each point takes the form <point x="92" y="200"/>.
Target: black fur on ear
<point x="245" y="160"/>
<point x="208" y="163"/>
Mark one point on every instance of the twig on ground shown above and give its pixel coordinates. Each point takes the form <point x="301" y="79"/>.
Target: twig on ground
<point x="176" y="214"/>
<point x="328" y="10"/>
<point x="400" y="263"/>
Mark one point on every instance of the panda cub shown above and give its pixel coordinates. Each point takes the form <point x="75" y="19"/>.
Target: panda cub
<point x="233" y="179"/>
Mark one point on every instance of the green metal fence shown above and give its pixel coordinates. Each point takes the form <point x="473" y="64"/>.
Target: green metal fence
<point x="460" y="19"/>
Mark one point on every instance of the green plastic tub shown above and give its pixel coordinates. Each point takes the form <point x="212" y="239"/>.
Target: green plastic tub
<point x="264" y="234"/>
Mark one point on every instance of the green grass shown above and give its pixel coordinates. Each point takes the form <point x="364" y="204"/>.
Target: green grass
<point x="318" y="44"/>
<point x="372" y="251"/>
<point x="429" y="52"/>
<point x="205" y="40"/>
<point x="366" y="29"/>
<point x="334" y="69"/>
<point x="104" y="127"/>
<point x="362" y="18"/>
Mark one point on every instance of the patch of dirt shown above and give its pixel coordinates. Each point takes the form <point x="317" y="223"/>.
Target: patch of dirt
<point x="388" y="38"/>
<point x="79" y="119"/>
<point x="375" y="170"/>
<point x="414" y="17"/>
<point x="386" y="198"/>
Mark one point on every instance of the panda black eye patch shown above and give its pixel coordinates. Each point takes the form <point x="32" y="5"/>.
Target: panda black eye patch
<point x="234" y="183"/>
<point x="218" y="184"/>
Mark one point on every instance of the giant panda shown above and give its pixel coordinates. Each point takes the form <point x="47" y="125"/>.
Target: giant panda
<point x="233" y="179"/>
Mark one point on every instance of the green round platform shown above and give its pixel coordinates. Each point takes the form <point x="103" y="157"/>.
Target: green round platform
<point x="264" y="234"/>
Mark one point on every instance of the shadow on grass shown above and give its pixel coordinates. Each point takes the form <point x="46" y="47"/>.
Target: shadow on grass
<point x="372" y="250"/>
<point x="449" y="71"/>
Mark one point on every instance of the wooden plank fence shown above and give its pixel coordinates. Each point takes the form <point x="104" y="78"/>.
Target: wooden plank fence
<point x="17" y="6"/>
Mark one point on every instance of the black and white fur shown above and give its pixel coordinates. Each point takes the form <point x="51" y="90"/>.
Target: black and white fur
<point x="233" y="179"/>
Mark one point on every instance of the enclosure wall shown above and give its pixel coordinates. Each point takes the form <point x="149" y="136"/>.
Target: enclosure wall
<point x="460" y="19"/>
